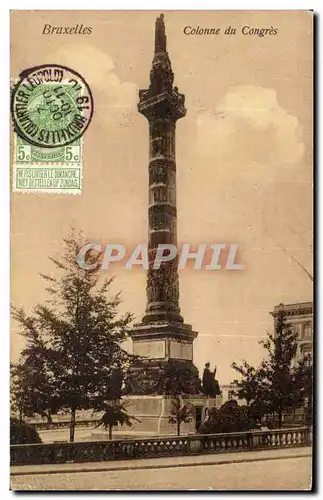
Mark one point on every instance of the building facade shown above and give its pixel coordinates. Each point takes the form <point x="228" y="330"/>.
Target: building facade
<point x="298" y="317"/>
<point x="228" y="393"/>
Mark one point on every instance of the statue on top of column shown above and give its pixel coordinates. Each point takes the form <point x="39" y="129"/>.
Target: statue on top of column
<point x="160" y="36"/>
<point x="161" y="82"/>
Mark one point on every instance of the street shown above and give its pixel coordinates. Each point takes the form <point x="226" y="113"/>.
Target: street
<point x="262" y="473"/>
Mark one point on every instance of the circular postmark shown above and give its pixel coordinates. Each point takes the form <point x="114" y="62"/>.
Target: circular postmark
<point x="51" y="105"/>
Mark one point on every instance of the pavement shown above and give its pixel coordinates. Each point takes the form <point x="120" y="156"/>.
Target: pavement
<point x="286" y="469"/>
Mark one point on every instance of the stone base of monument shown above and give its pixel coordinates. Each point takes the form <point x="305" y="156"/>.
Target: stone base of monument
<point x="154" y="413"/>
<point x="214" y="402"/>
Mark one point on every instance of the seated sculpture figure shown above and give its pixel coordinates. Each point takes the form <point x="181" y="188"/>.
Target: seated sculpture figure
<point x="209" y="383"/>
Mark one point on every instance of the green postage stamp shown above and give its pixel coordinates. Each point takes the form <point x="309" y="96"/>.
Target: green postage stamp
<point x="51" y="107"/>
<point x="57" y="170"/>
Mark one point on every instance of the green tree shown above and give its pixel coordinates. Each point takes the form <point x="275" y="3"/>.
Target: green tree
<point x="79" y="331"/>
<point x="115" y="413"/>
<point x="176" y="376"/>
<point x="273" y="387"/>
<point x="21" y="433"/>
<point x="229" y="418"/>
<point x="180" y="413"/>
<point x="20" y="393"/>
<point x="304" y="386"/>
<point x="32" y="377"/>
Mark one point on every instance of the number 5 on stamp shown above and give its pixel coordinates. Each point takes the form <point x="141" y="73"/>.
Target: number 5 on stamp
<point x="72" y="154"/>
<point x="64" y="155"/>
<point x="23" y="153"/>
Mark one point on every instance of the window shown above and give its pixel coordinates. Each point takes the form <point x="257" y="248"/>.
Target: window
<point x="296" y="328"/>
<point x="307" y="331"/>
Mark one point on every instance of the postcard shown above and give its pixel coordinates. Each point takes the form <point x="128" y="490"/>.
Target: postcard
<point x="161" y="250"/>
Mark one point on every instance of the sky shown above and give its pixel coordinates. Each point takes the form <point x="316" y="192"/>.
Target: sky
<point x="244" y="164"/>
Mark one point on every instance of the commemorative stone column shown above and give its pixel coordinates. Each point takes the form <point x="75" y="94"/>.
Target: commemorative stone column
<point x="162" y="339"/>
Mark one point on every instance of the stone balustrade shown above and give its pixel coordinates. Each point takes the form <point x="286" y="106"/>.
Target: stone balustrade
<point x="97" y="451"/>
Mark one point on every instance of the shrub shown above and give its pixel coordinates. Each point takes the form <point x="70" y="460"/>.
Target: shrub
<point x="229" y="418"/>
<point x="21" y="433"/>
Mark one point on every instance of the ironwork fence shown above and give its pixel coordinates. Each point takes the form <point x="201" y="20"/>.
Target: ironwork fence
<point x="97" y="451"/>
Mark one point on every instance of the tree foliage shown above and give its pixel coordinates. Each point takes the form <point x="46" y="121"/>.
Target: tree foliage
<point x="20" y="393"/>
<point x="32" y="382"/>
<point x="181" y="413"/>
<point x="278" y="384"/>
<point x="21" y="433"/>
<point x="115" y="413"/>
<point x="304" y="386"/>
<point x="229" y="418"/>
<point x="74" y="339"/>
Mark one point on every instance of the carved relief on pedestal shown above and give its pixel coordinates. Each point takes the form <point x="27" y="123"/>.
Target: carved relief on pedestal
<point x="144" y="380"/>
<point x="150" y="349"/>
<point x="181" y="377"/>
<point x="181" y="350"/>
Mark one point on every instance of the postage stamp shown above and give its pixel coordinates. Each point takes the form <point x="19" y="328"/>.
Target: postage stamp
<point x="51" y="108"/>
<point x="25" y="153"/>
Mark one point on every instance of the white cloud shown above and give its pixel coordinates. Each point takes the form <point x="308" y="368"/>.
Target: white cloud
<point x="249" y="129"/>
<point x="97" y="67"/>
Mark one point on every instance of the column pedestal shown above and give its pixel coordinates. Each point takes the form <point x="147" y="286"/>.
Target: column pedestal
<point x="154" y="413"/>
